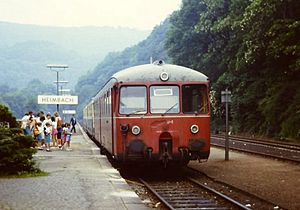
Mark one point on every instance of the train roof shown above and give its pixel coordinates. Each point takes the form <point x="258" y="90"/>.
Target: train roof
<point x="152" y="72"/>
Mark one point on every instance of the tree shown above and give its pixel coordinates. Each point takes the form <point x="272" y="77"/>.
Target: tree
<point x="251" y="47"/>
<point x="6" y="116"/>
<point x="184" y="45"/>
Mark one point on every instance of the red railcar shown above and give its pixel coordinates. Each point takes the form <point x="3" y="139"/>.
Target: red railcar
<point x="152" y="113"/>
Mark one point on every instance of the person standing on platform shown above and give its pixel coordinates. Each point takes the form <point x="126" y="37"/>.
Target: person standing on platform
<point x="26" y="124"/>
<point x="43" y="121"/>
<point x="68" y="133"/>
<point x="54" y="132"/>
<point x="48" y="136"/>
<point x="37" y="133"/>
<point x="73" y="123"/>
<point x="59" y="128"/>
<point x="40" y="135"/>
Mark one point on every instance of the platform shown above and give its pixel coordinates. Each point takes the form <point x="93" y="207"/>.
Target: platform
<point x="78" y="179"/>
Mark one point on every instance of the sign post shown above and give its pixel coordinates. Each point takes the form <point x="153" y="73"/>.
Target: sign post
<point x="226" y="98"/>
<point x="57" y="68"/>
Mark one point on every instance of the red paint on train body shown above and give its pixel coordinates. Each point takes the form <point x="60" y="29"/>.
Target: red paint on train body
<point x="155" y="112"/>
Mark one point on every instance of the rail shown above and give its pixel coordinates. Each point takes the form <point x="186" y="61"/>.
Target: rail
<point x="273" y="149"/>
<point x="190" y="194"/>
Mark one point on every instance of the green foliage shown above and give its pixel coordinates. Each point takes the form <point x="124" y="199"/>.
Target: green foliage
<point x="24" y="100"/>
<point x="15" y="149"/>
<point x="269" y="58"/>
<point x="16" y="153"/>
<point x="183" y="43"/>
<point x="290" y="126"/>
<point x="6" y="116"/>
<point x="252" y="48"/>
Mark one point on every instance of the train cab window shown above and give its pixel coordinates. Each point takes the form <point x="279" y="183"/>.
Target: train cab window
<point x="164" y="99"/>
<point x="194" y="99"/>
<point x="133" y="100"/>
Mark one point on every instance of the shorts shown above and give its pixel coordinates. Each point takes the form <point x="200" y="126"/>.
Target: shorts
<point x="68" y="138"/>
<point x="27" y="131"/>
<point x="59" y="131"/>
<point x="54" y="131"/>
<point x="48" y="138"/>
<point x="39" y="137"/>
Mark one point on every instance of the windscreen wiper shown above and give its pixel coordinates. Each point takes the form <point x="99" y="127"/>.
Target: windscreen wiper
<point x="170" y="108"/>
<point x="136" y="112"/>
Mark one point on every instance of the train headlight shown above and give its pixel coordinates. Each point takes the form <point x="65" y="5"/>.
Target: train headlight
<point x="135" y="130"/>
<point x="194" y="129"/>
<point x="164" y="76"/>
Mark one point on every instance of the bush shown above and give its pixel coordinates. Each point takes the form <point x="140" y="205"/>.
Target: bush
<point x="6" y="116"/>
<point x="16" y="152"/>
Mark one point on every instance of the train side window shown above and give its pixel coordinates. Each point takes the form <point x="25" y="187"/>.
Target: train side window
<point x="164" y="99"/>
<point x="109" y="102"/>
<point x="133" y="100"/>
<point x="194" y="99"/>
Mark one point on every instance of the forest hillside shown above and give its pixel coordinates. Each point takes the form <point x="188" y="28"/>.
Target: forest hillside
<point x="251" y="47"/>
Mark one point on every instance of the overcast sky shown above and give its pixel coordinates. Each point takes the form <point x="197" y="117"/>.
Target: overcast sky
<point x="141" y="14"/>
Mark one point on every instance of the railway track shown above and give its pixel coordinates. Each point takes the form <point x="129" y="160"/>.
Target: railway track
<point x="188" y="193"/>
<point x="285" y="151"/>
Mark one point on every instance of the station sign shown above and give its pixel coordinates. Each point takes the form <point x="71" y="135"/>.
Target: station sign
<point x="226" y="96"/>
<point x="69" y="111"/>
<point x="53" y="99"/>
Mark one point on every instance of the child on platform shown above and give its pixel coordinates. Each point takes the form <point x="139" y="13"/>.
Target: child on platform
<point x="40" y="135"/>
<point x="48" y="136"/>
<point x="68" y="134"/>
<point x="36" y="133"/>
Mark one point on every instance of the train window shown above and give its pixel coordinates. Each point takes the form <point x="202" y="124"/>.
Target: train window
<point x="133" y="100"/>
<point x="164" y="99"/>
<point x="194" y="99"/>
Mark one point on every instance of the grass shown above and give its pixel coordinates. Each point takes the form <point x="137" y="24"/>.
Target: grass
<point x="25" y="174"/>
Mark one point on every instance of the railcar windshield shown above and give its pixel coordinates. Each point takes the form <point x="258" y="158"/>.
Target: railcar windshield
<point x="194" y="99"/>
<point x="133" y="100"/>
<point x="164" y="99"/>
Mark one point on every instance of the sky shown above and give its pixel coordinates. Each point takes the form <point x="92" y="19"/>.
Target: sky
<point x="139" y="14"/>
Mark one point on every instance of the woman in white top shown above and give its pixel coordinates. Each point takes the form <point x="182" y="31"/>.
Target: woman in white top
<point x="26" y="124"/>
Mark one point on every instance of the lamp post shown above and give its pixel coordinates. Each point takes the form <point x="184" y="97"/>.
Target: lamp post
<point x="226" y="98"/>
<point x="57" y="68"/>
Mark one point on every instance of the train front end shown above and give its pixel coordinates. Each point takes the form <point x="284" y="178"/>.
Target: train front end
<point x="162" y="115"/>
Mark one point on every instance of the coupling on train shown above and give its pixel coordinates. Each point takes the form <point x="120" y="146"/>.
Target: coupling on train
<point x="152" y="113"/>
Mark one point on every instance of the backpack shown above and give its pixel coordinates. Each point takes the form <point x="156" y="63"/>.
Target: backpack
<point x="36" y="132"/>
